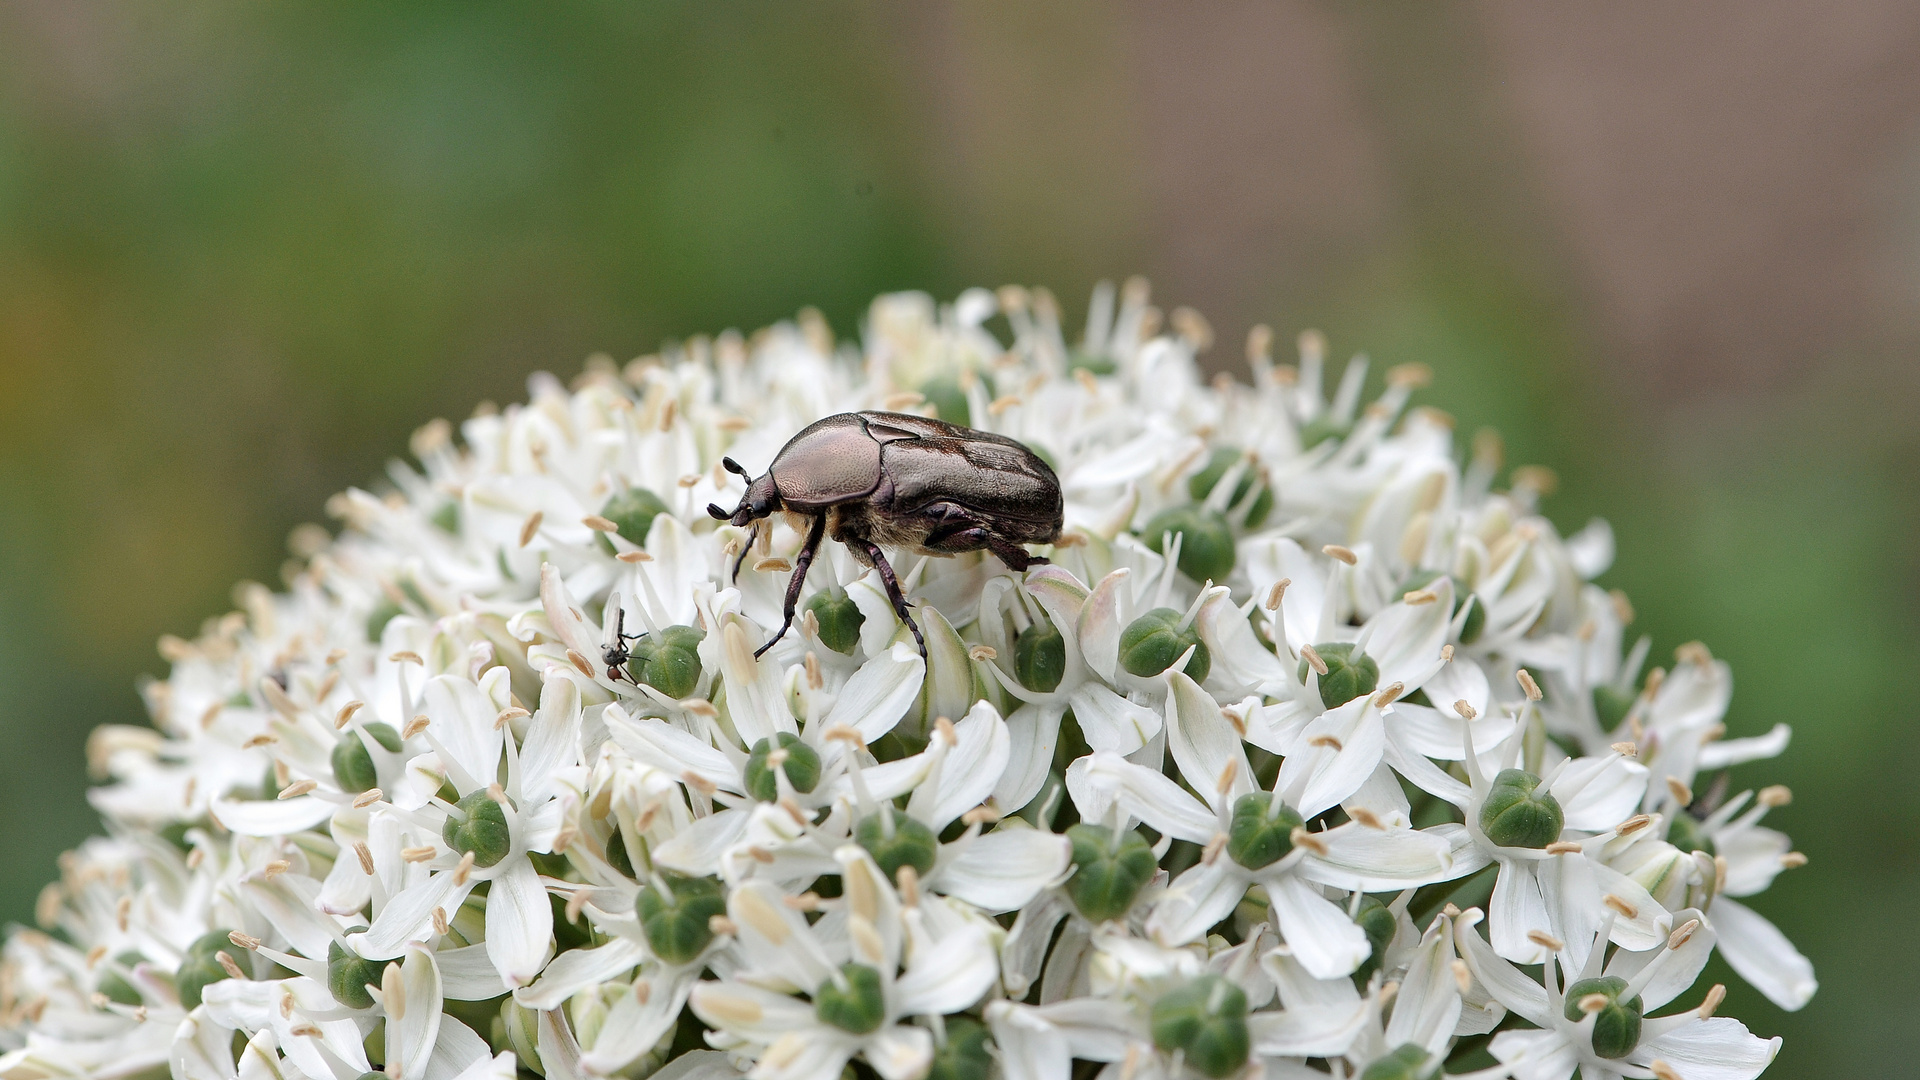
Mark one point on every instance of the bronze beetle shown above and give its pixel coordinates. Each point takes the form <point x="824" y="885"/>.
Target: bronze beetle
<point x="873" y="478"/>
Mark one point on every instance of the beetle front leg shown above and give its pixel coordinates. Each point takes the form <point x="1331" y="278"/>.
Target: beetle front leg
<point x="878" y="560"/>
<point x="800" y="564"/>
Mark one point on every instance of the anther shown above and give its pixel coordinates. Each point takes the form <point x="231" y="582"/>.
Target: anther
<point x="415" y="726"/>
<point x="982" y="653"/>
<point x="423" y="853"/>
<point x="1318" y="665"/>
<point x="365" y="855"/>
<point x="1774" y="795"/>
<point x="1682" y="794"/>
<point x="1462" y="975"/>
<point x="1366" y="818"/>
<point x="1327" y="741"/>
<point x="464" y="870"/>
<point x="1465" y="711"/>
<point x="1625" y="749"/>
<point x="1526" y="683"/>
<point x="275" y="868"/>
<point x="1545" y="940"/>
<point x="599" y="524"/>
<point x="1344" y="554"/>
<point x="1715" y="996"/>
<point x="1633" y="824"/>
<point x="368" y="798"/>
<point x="580" y="662"/>
<point x="1625" y="909"/>
<point x="1562" y="847"/>
<point x="1793" y="860"/>
<point x="1388" y="696"/>
<point x="346" y="713"/>
<point x="297" y="789"/>
<point x="1303" y="839"/>
<point x="634" y="557"/>
<point x="1684" y="934"/>
<point x="531" y="527"/>
<point x="1275" y="594"/>
<point x="229" y="965"/>
<point x="720" y="924"/>
<point x="245" y="941"/>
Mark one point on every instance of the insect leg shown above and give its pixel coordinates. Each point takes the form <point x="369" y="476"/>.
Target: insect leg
<point x="800" y="565"/>
<point x="753" y="535"/>
<point x="892" y="583"/>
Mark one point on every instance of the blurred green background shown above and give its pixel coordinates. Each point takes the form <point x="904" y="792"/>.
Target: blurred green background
<point x="1673" y="252"/>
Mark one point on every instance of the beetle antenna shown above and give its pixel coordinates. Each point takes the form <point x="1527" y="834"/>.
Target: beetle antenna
<point x="717" y="514"/>
<point x="734" y="467"/>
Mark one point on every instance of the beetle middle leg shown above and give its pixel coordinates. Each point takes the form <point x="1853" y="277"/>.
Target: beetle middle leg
<point x="878" y="560"/>
<point x="801" y="562"/>
<point x="959" y="531"/>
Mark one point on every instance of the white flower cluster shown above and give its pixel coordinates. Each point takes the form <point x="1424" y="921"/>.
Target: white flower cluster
<point x="1309" y="753"/>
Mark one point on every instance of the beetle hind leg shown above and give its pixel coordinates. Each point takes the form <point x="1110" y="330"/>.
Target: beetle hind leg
<point x="878" y="560"/>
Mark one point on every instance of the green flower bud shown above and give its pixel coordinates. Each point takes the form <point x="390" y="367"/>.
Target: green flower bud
<point x="667" y="661"/>
<point x="1107" y="876"/>
<point x="1611" y="706"/>
<point x="912" y="843"/>
<point x="1206" y="545"/>
<point x="617" y="856"/>
<point x="1376" y="920"/>
<point x="1207" y="1018"/>
<point x="1476" y="620"/>
<point x="1407" y="1062"/>
<point x="1319" y="430"/>
<point x="447" y="517"/>
<point x="201" y="967"/>
<point x="840" y="620"/>
<point x="860" y="1008"/>
<point x="1348" y="676"/>
<point x="481" y="829"/>
<point x="949" y="401"/>
<point x="802" y="767"/>
<point x="1616" y="1029"/>
<point x="633" y="511"/>
<point x="677" y="926"/>
<point x="1687" y="834"/>
<point x="1151" y="643"/>
<point x="353" y="766"/>
<point x="520" y="1030"/>
<point x="116" y="988"/>
<point x="348" y="977"/>
<point x="1040" y="657"/>
<point x="1090" y="363"/>
<point x="383" y="613"/>
<point x="965" y="1055"/>
<point x="1520" y="812"/>
<point x="1201" y="484"/>
<point x="1255" y="839"/>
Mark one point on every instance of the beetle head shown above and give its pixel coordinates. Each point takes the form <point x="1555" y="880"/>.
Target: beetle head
<point x="760" y="501"/>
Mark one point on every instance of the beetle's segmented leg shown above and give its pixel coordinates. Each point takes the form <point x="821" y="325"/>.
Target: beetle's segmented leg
<point x="753" y="535"/>
<point x="800" y="565"/>
<point x="894" y="594"/>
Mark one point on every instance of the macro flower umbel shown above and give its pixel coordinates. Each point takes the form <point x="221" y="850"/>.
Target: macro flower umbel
<point x="1310" y="738"/>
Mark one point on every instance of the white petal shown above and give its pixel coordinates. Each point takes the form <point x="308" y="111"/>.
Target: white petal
<point x="519" y="924"/>
<point x="1650" y="923"/>
<point x="972" y="767"/>
<point x="671" y="750"/>
<point x="878" y="694"/>
<point x="1111" y="722"/>
<point x="1317" y="776"/>
<point x="633" y="1026"/>
<point x="1100" y="628"/>
<point x="553" y="739"/>
<point x="1205" y="745"/>
<point x="900" y="1052"/>
<point x="576" y="969"/>
<point x="1379" y="860"/>
<point x="1310" y="1031"/>
<point x="698" y="1065"/>
<point x="463" y="724"/>
<point x="1101" y="780"/>
<point x="1032" y="733"/>
<point x="1195" y="900"/>
<point x="559" y="1053"/>
<point x="457" y="1050"/>
<point x="1536" y="1055"/>
<point x="1723" y="753"/>
<point x="466" y="974"/>
<point x="1002" y="870"/>
<point x="1591" y="549"/>
<point x="1753" y="857"/>
<point x="1717" y="1049"/>
<point x="1678" y="967"/>
<point x="409" y="917"/>
<point x="1406" y="638"/>
<point x="1427" y="1009"/>
<point x="696" y="849"/>
<point x="1323" y="938"/>
<point x="1508" y="986"/>
<point x="1030" y="1047"/>
<point x="1763" y="956"/>
<point x="1516" y="908"/>
<point x="411" y="1036"/>
<point x="1240" y="662"/>
<point x="750" y="1012"/>
<point x="1606" y="791"/>
<point x="955" y="974"/>
<point x="272" y="817"/>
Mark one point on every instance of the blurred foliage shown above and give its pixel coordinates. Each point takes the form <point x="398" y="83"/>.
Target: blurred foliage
<point x="245" y="251"/>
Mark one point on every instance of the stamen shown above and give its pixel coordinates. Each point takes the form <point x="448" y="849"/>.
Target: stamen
<point x="1419" y="597"/>
<point x="306" y="1029"/>
<point x="1213" y="849"/>
<point x="509" y="715"/>
<point x="1327" y="741"/>
<point x="1626" y="749"/>
<point x="1682" y="794"/>
<point x="1774" y="795"/>
<point x="599" y="524"/>
<point x="775" y="565"/>
<point x="368" y="798"/>
<point x="1633" y="824"/>
<point x="1318" y="665"/>
<point x="1562" y="847"/>
<point x="1545" y="940"/>
<point x="297" y="789"/>
<point x="908" y="879"/>
<point x="983" y="653"/>
<point x="1683" y="934"/>
<point x="418" y="854"/>
<point x="229" y="965"/>
<point x="1462" y="975"/>
<point x="531" y="527"/>
<point x="1663" y="1071"/>
<point x="814" y="679"/>
<point x="1388" y="696"/>
<point x="1465" y="711"/>
<point x="346" y="713"/>
<point x="1793" y="860"/>
<point x="580" y="662"/>
<point x="464" y="870"/>
<point x="1344" y="554"/>
<point x="1275" y="594"/>
<point x="1366" y="818"/>
<point x="980" y="815"/>
<point x="245" y="941"/>
<point x="275" y="868"/>
<point x="806" y="901"/>
<point x="1715" y="995"/>
<point x="1625" y="909"/>
<point x="1526" y="683"/>
<point x="634" y="557"/>
<point x="415" y="726"/>
<point x="1303" y="839"/>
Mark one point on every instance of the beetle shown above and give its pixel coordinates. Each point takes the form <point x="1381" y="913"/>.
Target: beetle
<point x="873" y="478"/>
